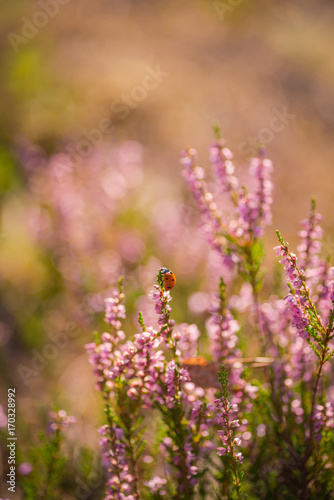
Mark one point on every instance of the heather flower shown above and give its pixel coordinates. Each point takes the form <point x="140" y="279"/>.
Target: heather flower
<point x="221" y="160"/>
<point x="114" y="310"/>
<point x="294" y="358"/>
<point x="225" y="417"/>
<point x="323" y="419"/>
<point x="187" y="336"/>
<point x="119" y="482"/>
<point x="25" y="468"/>
<point x="162" y="298"/>
<point x="259" y="203"/>
<point x="310" y="244"/>
<point x="298" y="318"/>
<point x="59" y="420"/>
<point x="251" y="211"/>
<point x="325" y="287"/>
<point x="157" y="485"/>
<point x="222" y="328"/>
<point x="68" y="193"/>
<point x="298" y="300"/>
<point x="102" y="354"/>
<point x="195" y="177"/>
<point x="174" y="377"/>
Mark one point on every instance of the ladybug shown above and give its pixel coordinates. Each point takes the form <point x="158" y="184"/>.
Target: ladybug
<point x="169" y="278"/>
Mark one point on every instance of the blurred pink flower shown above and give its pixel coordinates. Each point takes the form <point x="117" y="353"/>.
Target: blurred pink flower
<point x="25" y="468"/>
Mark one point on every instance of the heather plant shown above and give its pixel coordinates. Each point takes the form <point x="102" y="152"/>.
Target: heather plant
<point x="268" y="431"/>
<point x="43" y="473"/>
<point x="74" y="205"/>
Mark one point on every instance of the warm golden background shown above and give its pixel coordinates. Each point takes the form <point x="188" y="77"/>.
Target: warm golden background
<point x="236" y="63"/>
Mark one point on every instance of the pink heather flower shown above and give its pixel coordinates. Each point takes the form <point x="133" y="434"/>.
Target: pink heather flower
<point x="195" y="177"/>
<point x="261" y="215"/>
<point x="173" y="378"/>
<point x="157" y="485"/>
<point x="25" y="468"/>
<point x="102" y="356"/>
<point x="199" y="423"/>
<point x="188" y="336"/>
<point x="119" y="483"/>
<point x="59" y="420"/>
<point x="325" y="291"/>
<point x="186" y="474"/>
<point x="136" y="362"/>
<point x="229" y="231"/>
<point x="147" y="366"/>
<point x="310" y="244"/>
<point x="254" y="207"/>
<point x="224" y="410"/>
<point x="162" y="307"/>
<point x="297" y="360"/>
<point x="298" y="300"/>
<point x="222" y="329"/>
<point x="115" y="310"/>
<point x="323" y="419"/>
<point x="298" y="317"/>
<point x="221" y="159"/>
<point x="68" y="190"/>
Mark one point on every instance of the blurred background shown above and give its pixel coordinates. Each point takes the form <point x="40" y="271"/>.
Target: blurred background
<point x="97" y="101"/>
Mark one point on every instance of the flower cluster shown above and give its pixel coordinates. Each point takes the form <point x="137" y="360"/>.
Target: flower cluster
<point x="323" y="419"/>
<point x="255" y="207"/>
<point x="187" y="337"/>
<point x="298" y="300"/>
<point x="157" y="485"/>
<point x="114" y="310"/>
<point x="161" y="298"/>
<point x="252" y="209"/>
<point x="223" y="167"/>
<point x="135" y="375"/>
<point x="102" y="353"/>
<point x="275" y="396"/>
<point x="222" y="328"/>
<point x="225" y="418"/>
<point x="195" y="177"/>
<point x="225" y="409"/>
<point x="67" y="194"/>
<point x="174" y="377"/>
<point x="59" y="420"/>
<point x="119" y="481"/>
<point x="310" y="244"/>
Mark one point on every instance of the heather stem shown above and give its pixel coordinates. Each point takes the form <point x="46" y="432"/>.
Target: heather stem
<point x="315" y="390"/>
<point x="309" y="239"/>
<point x="233" y="460"/>
<point x="257" y="320"/>
<point x="253" y="269"/>
<point x="132" y="463"/>
<point x="112" y="438"/>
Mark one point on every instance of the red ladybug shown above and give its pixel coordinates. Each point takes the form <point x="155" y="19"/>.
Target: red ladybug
<point x="169" y="278"/>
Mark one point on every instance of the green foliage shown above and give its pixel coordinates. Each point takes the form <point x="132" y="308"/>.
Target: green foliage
<point x="141" y="321"/>
<point x="48" y="467"/>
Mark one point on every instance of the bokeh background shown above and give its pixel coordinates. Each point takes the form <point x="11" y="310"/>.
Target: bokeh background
<point x="83" y="201"/>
